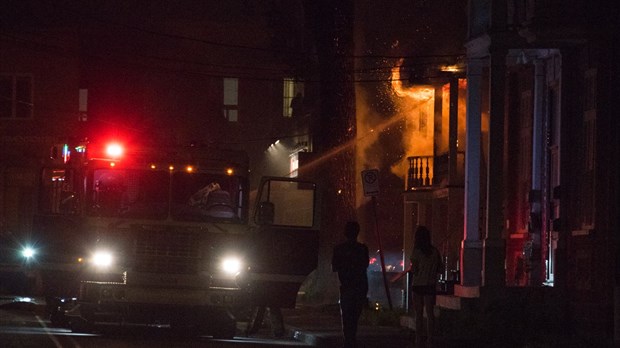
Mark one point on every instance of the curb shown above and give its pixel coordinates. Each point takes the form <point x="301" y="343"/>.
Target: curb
<point x="315" y="339"/>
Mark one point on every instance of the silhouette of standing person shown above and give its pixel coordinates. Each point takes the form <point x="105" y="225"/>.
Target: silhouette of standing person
<point x="426" y="265"/>
<point x="297" y="105"/>
<point x="350" y="260"/>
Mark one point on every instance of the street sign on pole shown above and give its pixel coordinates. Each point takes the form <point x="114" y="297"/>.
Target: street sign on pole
<point x="370" y="181"/>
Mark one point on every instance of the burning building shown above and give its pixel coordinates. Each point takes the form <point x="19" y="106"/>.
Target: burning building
<point x="510" y="162"/>
<point x="410" y="111"/>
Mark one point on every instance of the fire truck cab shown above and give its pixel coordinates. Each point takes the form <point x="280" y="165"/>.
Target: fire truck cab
<point x="143" y="235"/>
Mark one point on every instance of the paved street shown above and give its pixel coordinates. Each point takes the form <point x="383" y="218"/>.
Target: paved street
<point x="23" y="323"/>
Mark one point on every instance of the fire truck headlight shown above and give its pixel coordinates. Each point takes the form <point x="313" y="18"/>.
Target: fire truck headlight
<point x="28" y="253"/>
<point x="231" y="265"/>
<point x="102" y="259"/>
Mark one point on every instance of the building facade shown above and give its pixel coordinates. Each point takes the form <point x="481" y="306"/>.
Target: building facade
<point x="541" y="195"/>
<point x="39" y="83"/>
<point x="536" y="197"/>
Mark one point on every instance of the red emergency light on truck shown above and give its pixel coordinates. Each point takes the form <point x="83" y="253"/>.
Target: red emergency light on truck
<point x="143" y="235"/>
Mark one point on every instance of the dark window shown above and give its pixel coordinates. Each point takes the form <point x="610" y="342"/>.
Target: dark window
<point x="15" y="96"/>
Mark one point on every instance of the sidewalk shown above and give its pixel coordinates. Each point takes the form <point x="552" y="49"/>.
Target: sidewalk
<point x="320" y="326"/>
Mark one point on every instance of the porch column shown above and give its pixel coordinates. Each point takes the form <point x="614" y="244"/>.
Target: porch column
<point x="494" y="249"/>
<point x="471" y="246"/>
<point x="453" y="132"/>
<point x="536" y="274"/>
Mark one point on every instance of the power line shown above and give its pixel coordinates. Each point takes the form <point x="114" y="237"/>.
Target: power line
<point x="80" y="14"/>
<point x="219" y="74"/>
<point x="262" y="49"/>
<point x="244" y="71"/>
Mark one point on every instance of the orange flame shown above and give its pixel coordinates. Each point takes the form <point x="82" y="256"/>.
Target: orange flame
<point x="416" y="106"/>
<point x="420" y="93"/>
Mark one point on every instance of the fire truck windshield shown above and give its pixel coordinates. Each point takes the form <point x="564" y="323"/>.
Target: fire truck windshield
<point x="201" y="196"/>
<point x="151" y="194"/>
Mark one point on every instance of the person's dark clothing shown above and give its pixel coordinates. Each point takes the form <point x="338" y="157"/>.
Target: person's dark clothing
<point x="424" y="290"/>
<point x="297" y="106"/>
<point x="350" y="260"/>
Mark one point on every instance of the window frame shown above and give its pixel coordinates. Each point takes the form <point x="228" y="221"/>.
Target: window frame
<point x="290" y="88"/>
<point x="230" y="98"/>
<point x="15" y="99"/>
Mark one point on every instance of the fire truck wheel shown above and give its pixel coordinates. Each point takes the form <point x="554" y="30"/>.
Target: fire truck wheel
<point x="82" y="324"/>
<point x="225" y="331"/>
<point x="185" y="329"/>
<point x="79" y="325"/>
<point x="58" y="318"/>
<point x="225" y="327"/>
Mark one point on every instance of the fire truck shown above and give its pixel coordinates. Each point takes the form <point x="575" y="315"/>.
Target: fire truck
<point x="138" y="235"/>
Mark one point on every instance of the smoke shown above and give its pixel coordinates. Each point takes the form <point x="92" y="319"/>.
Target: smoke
<point x="368" y="130"/>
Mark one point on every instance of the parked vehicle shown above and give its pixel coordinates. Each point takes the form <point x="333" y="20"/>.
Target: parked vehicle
<point x="166" y="236"/>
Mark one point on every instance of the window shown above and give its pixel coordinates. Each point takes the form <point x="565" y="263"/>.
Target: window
<point x="294" y="165"/>
<point x="131" y="193"/>
<point x="231" y="99"/>
<point x="287" y="203"/>
<point x="57" y="195"/>
<point x="206" y="196"/>
<point x="292" y="97"/>
<point x="15" y="96"/>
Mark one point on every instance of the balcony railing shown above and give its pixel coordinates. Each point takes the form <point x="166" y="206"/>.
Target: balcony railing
<point x="427" y="172"/>
<point x="420" y="173"/>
